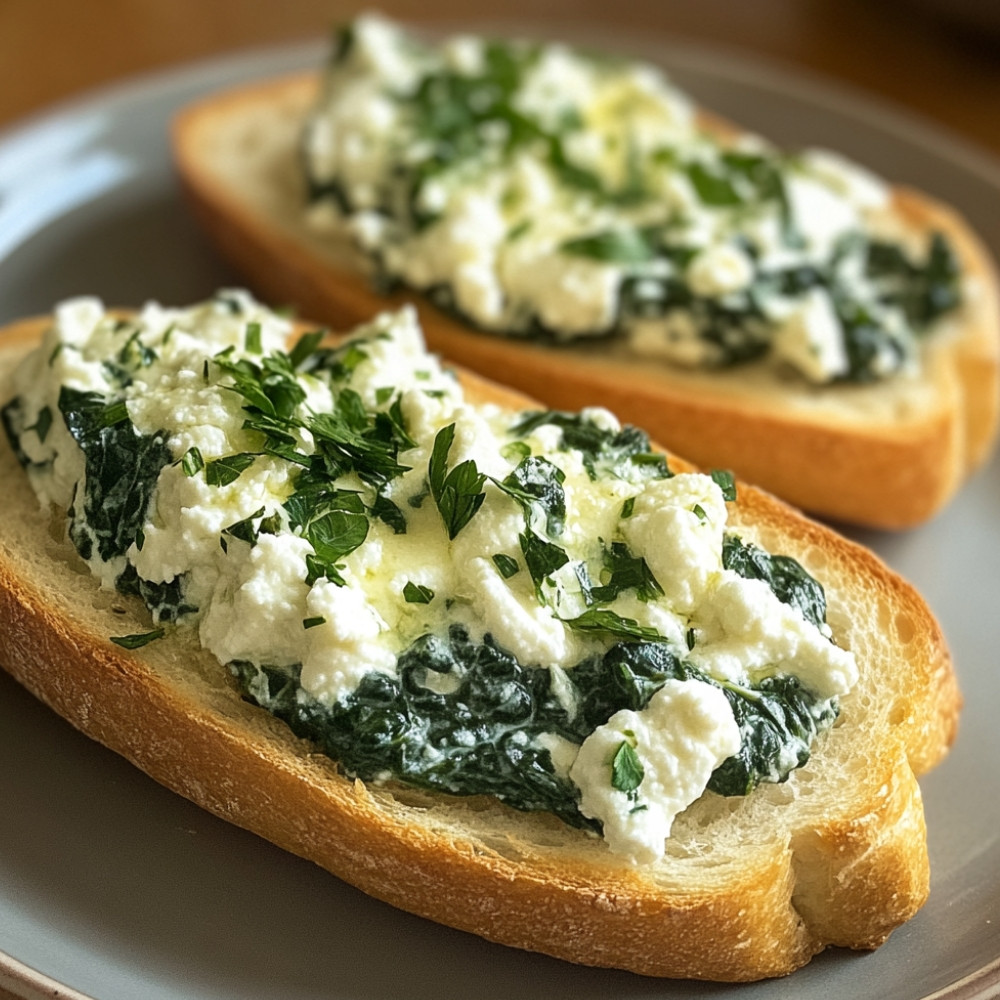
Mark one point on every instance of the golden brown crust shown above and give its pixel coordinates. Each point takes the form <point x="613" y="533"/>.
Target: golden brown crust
<point x="884" y="457"/>
<point x="749" y="888"/>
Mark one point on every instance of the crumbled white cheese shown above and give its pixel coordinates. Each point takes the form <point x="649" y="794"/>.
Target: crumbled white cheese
<point x="678" y="524"/>
<point x="188" y="516"/>
<point x="675" y="338"/>
<point x="808" y="337"/>
<point x="258" y="604"/>
<point x="719" y="270"/>
<point x="860" y="186"/>
<point x="572" y="296"/>
<point x="508" y="611"/>
<point x="345" y="645"/>
<point x="746" y="632"/>
<point x="679" y="739"/>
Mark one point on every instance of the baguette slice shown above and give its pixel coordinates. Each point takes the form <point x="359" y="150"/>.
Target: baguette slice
<point x="887" y="455"/>
<point x="749" y="887"/>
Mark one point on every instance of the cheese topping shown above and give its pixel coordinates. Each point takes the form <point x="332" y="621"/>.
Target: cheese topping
<point x="343" y="524"/>
<point x="538" y="191"/>
<point x="682" y="736"/>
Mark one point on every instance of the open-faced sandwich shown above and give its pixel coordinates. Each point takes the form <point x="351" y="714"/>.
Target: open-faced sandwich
<point x="574" y="226"/>
<point x="510" y="668"/>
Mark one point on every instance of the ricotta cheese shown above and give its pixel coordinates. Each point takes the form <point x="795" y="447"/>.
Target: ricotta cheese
<point x="678" y="740"/>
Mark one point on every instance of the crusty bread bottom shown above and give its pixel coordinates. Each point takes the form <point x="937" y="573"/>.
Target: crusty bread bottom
<point x="887" y="455"/>
<point x="750" y="887"/>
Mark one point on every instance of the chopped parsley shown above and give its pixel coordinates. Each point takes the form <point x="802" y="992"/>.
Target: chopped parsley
<point x="623" y="454"/>
<point x="226" y="470"/>
<point x="538" y="482"/>
<point x="627" y="771"/>
<point x="417" y="593"/>
<point x="506" y="565"/>
<point x="458" y="492"/>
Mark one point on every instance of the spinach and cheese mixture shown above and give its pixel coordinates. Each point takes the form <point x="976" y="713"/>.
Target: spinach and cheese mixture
<point x="537" y="191"/>
<point x="526" y="605"/>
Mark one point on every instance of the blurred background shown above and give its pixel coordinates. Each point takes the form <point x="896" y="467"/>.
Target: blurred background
<point x="939" y="58"/>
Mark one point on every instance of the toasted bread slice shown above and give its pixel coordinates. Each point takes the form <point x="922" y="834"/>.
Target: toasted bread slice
<point x="749" y="887"/>
<point x="886" y="455"/>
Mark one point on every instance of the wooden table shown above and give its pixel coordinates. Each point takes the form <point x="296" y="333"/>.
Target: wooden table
<point x="894" y="50"/>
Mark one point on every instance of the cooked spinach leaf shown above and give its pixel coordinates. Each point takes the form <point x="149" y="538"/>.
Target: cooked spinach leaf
<point x="13" y="417"/>
<point x="465" y="718"/>
<point x="783" y="574"/>
<point x="778" y="718"/>
<point x="926" y="289"/>
<point x="778" y="722"/>
<point x="480" y="738"/>
<point x="166" y="601"/>
<point x="122" y="467"/>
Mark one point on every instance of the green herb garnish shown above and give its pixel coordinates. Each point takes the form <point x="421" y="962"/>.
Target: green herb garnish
<point x="506" y="565"/>
<point x="192" y="463"/>
<point x="417" y="593"/>
<point x="627" y="771"/>
<point x="726" y="482"/>
<point x="253" y="342"/>
<point x="609" y="624"/>
<point x="458" y="493"/>
<point x="226" y="470"/>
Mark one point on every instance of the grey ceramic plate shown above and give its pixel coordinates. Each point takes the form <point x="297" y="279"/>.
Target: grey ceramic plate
<point x="112" y="887"/>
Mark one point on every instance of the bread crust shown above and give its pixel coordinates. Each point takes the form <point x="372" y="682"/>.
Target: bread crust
<point x="888" y="456"/>
<point x="749" y="888"/>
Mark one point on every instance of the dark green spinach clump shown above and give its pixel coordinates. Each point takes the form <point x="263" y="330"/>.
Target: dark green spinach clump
<point x="461" y="717"/>
<point x="784" y="575"/>
<point x="476" y="739"/>
<point x="122" y="467"/>
<point x="464" y="718"/>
